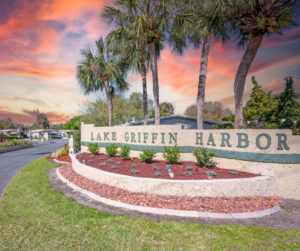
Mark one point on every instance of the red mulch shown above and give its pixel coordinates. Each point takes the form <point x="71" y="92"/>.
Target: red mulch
<point x="215" y="205"/>
<point x="146" y="170"/>
<point x="65" y="158"/>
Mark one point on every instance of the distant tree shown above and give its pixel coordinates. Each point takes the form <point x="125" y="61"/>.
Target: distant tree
<point x="42" y="120"/>
<point x="212" y="110"/>
<point x="60" y="126"/>
<point x="288" y="110"/>
<point x="191" y="111"/>
<point x="74" y="123"/>
<point x="261" y="106"/>
<point x="6" y="124"/>
<point x="166" y="109"/>
<point x="35" y="126"/>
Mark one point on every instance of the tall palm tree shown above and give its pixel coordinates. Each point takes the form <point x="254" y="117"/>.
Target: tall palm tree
<point x="146" y="21"/>
<point x="102" y="71"/>
<point x="42" y="121"/>
<point x="195" y="22"/>
<point x="137" y="56"/>
<point x="252" y="20"/>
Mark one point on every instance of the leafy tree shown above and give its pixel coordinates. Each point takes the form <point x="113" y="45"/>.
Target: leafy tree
<point x="146" y="21"/>
<point x="288" y="110"/>
<point x="252" y="20"/>
<point x="196" y="23"/>
<point x="137" y="100"/>
<point x="74" y="123"/>
<point x="35" y="126"/>
<point x="102" y="71"/>
<point x="261" y="106"/>
<point x="6" y="124"/>
<point x="211" y="110"/>
<point x="166" y="109"/>
<point x="60" y="126"/>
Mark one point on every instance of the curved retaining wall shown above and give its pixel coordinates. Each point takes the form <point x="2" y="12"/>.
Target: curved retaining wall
<point x="248" y="187"/>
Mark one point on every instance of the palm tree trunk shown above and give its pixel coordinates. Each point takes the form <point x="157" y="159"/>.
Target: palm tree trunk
<point x="202" y="81"/>
<point x="240" y="79"/>
<point x="110" y="104"/>
<point x="145" y="103"/>
<point x="153" y="65"/>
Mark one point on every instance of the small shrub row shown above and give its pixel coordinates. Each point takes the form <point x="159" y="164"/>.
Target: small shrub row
<point x="171" y="154"/>
<point x="11" y="143"/>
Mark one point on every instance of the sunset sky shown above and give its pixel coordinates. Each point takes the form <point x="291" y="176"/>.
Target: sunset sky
<point x="40" y="42"/>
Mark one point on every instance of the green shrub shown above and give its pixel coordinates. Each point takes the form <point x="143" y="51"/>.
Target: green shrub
<point x="147" y="155"/>
<point x="124" y="152"/>
<point x="3" y="137"/>
<point x="204" y="157"/>
<point x="93" y="148"/>
<point x="76" y="140"/>
<point x="111" y="150"/>
<point x="63" y="153"/>
<point x="11" y="143"/>
<point x="172" y="154"/>
<point x="12" y="137"/>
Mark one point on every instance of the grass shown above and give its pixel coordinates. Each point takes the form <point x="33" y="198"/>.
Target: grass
<point x="33" y="216"/>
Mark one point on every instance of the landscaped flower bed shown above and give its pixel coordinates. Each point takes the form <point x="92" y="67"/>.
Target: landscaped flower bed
<point x="183" y="170"/>
<point x="215" y="205"/>
<point x="11" y="143"/>
<point x="65" y="158"/>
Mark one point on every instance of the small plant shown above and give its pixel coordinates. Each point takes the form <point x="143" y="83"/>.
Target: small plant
<point x="172" y="154"/>
<point x="63" y="153"/>
<point x="204" y="157"/>
<point x="118" y="163"/>
<point x="114" y="167"/>
<point x="102" y="164"/>
<point x="93" y="148"/>
<point x="111" y="150"/>
<point x="187" y="173"/>
<point x="210" y="173"/>
<point x="67" y="148"/>
<point x="157" y="174"/>
<point x="80" y="156"/>
<point x="189" y="168"/>
<point x="169" y="167"/>
<point x="234" y="172"/>
<point x="101" y="158"/>
<point x="147" y="155"/>
<point x="124" y="152"/>
<point x="110" y="161"/>
<point x="133" y="165"/>
<point x="134" y="171"/>
<point x="90" y="161"/>
<point x="92" y="156"/>
<point x="155" y="168"/>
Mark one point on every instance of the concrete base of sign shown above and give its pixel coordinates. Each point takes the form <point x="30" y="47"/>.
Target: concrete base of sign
<point x="172" y="212"/>
<point x="247" y="187"/>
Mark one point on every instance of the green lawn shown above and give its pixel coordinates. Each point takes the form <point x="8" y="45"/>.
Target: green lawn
<point x="35" y="217"/>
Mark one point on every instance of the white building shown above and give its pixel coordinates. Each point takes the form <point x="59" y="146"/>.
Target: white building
<point x="38" y="133"/>
<point x="9" y="132"/>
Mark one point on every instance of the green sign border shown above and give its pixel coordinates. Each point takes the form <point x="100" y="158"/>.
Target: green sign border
<point x="292" y="158"/>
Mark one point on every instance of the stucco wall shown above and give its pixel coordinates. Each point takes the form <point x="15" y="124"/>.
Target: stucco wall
<point x="273" y="153"/>
<point x="248" y="187"/>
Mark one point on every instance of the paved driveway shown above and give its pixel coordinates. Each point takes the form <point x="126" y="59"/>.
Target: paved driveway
<point x="12" y="162"/>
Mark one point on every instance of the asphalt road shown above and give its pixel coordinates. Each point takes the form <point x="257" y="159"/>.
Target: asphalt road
<point x="12" y="162"/>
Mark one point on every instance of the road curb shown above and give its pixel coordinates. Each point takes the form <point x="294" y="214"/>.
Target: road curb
<point x="170" y="212"/>
<point x="61" y="162"/>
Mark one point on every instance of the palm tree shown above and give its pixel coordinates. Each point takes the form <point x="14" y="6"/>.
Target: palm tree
<point x="102" y="71"/>
<point x="146" y="21"/>
<point x="252" y="20"/>
<point x="42" y="121"/>
<point x="137" y="56"/>
<point x="195" y="22"/>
